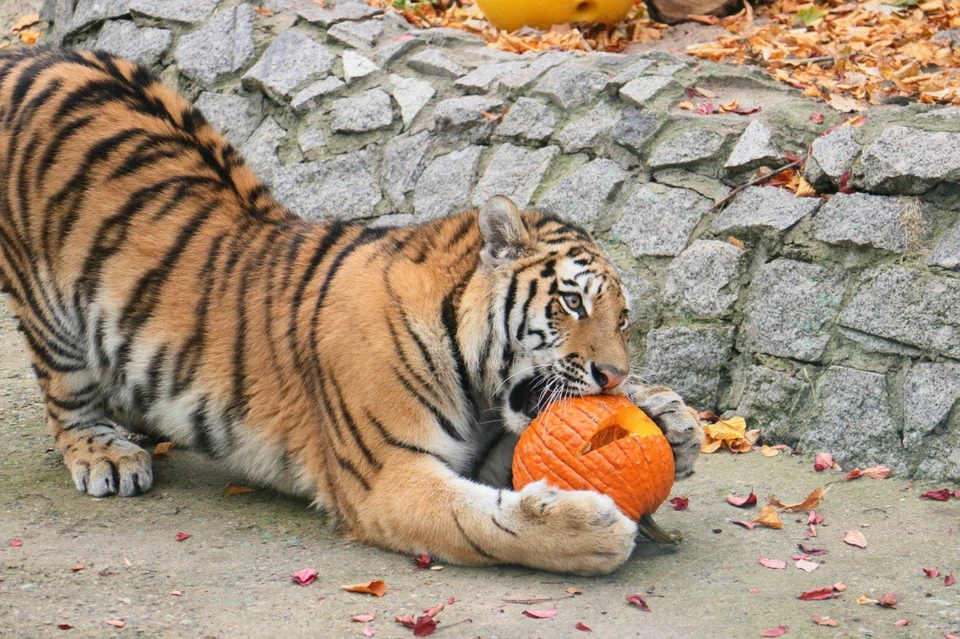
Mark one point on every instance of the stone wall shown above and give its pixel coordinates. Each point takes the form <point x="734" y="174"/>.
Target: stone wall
<point x="836" y="328"/>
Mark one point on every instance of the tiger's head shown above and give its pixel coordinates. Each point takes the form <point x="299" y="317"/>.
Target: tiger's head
<point x="561" y="312"/>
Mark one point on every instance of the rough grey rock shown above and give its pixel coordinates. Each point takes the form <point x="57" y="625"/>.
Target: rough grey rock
<point x="658" y="220"/>
<point x="357" y="66"/>
<point x="930" y="393"/>
<point x="310" y="98"/>
<point x="692" y="147"/>
<point x="369" y="111"/>
<point x="528" y="118"/>
<point x="412" y="95"/>
<point x="464" y="111"/>
<point x="710" y="188"/>
<point x="761" y="209"/>
<point x="517" y="80"/>
<point x="435" y="62"/>
<point x="90" y="12"/>
<point x="222" y="46"/>
<point x="642" y="90"/>
<point x="947" y="252"/>
<point x="233" y="116"/>
<point x="632" y="72"/>
<point x="643" y="295"/>
<point x="394" y="49"/>
<point x="790" y="311"/>
<point x="396" y="220"/>
<point x="187" y="11"/>
<point x="634" y="127"/>
<point x="690" y="361"/>
<point x="589" y="131"/>
<point x="771" y="400"/>
<point x="580" y="196"/>
<point x="334" y="13"/>
<point x="755" y="148"/>
<point x="907" y="306"/>
<point x="908" y="161"/>
<point x="571" y="85"/>
<point x="290" y="62"/>
<point x="831" y="156"/>
<point x="860" y="219"/>
<point x="144" y="46"/>
<point x="260" y="149"/>
<point x="402" y="165"/>
<point x="484" y="78"/>
<point x="341" y="187"/>
<point x="446" y="184"/>
<point x="702" y="281"/>
<point x="851" y="417"/>
<point x="311" y="143"/>
<point x="515" y="172"/>
<point x="360" y="35"/>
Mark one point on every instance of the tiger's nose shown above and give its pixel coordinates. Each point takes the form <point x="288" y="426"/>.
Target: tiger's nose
<point x="607" y="377"/>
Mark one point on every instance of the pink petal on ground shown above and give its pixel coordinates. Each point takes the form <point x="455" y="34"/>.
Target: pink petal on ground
<point x="776" y="564"/>
<point x="367" y="618"/>
<point x="855" y="538"/>
<point x="742" y="502"/>
<point x="779" y="631"/>
<point x="932" y="572"/>
<point x="540" y="614"/>
<point x="638" y="601"/>
<point x="581" y="626"/>
<point x="807" y="566"/>
<point x="305" y="576"/>
<point x="823" y="461"/>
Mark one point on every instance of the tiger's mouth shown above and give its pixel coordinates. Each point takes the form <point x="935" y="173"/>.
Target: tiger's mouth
<point x="533" y="394"/>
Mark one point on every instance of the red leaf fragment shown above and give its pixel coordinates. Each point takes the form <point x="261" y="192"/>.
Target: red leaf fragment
<point x="64" y="626"/>
<point x="779" y="631"/>
<point x="639" y="602"/>
<point x="742" y="502"/>
<point x="706" y="109"/>
<point x="690" y="93"/>
<point x="680" y="503"/>
<point x="182" y="536"/>
<point x="823" y="621"/>
<point x="823" y="461"/>
<point x="900" y="623"/>
<point x="791" y="157"/>
<point x="844" y="179"/>
<point x="422" y="626"/>
<point x="421" y="562"/>
<point x="937" y="495"/>
<point x="749" y="525"/>
<point x="367" y="618"/>
<point x="888" y="600"/>
<point x="932" y="573"/>
<point x="814" y="518"/>
<point x="877" y="472"/>
<point x="452" y="600"/>
<point x="775" y="564"/>
<point x="817" y="594"/>
<point x="856" y="473"/>
<point x="949" y="580"/>
<point x="816" y="117"/>
<point x="15" y="543"/>
<point x="580" y="626"/>
<point x="304" y="576"/>
<point x="540" y="614"/>
<point x="755" y="109"/>
<point x="813" y="552"/>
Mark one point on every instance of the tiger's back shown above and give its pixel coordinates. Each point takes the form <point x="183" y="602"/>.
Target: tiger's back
<point x="159" y="286"/>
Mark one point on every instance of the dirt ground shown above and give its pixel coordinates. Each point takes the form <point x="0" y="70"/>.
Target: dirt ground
<point x="234" y="572"/>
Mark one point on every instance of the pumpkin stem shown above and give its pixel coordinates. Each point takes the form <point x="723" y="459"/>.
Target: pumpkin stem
<point x="649" y="529"/>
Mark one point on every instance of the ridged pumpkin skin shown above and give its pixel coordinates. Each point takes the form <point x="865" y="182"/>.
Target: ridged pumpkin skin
<point x="635" y="471"/>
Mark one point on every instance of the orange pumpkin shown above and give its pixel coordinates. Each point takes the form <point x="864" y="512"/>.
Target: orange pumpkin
<point x="602" y="443"/>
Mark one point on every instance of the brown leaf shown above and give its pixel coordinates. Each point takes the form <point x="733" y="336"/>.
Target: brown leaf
<point x="573" y="591"/>
<point x="238" y="490"/>
<point x="768" y="517"/>
<point x="740" y="245"/>
<point x="812" y="501"/>
<point x="262" y="11"/>
<point x="855" y="538"/>
<point x="162" y="449"/>
<point x="116" y="623"/>
<point x="29" y="36"/>
<point x="491" y="116"/>
<point x="823" y="621"/>
<point x="377" y="588"/>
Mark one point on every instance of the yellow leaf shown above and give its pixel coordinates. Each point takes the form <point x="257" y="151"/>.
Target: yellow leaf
<point x="29" y="36"/>
<point x="727" y="429"/>
<point x="768" y="517"/>
<point x="810" y="503"/>
<point x="864" y="599"/>
<point x="686" y="105"/>
<point x="766" y="451"/>
<point x="162" y="449"/>
<point x="805" y="189"/>
<point x="711" y="446"/>
<point x="263" y="12"/>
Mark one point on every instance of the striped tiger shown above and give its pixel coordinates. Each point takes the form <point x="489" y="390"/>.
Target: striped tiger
<point x="382" y="372"/>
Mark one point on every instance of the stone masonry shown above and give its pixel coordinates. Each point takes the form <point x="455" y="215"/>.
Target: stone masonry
<point x="829" y="322"/>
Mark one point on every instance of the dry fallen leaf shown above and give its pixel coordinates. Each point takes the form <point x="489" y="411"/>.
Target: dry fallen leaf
<point x="942" y="494"/>
<point x="932" y="573"/>
<point x="367" y="631"/>
<point x="779" y="631"/>
<point x="742" y="502"/>
<point x="573" y="591"/>
<point x="817" y="594"/>
<point x="887" y="600"/>
<point x="365" y="618"/>
<point x="877" y="472"/>
<point x="949" y="580"/>
<point x="812" y="501"/>
<point x="865" y="599"/>
<point x="680" y="503"/>
<point x="768" y="517"/>
<point x="824" y="621"/>
<point x="807" y="566"/>
<point x="749" y="525"/>
<point x="77" y="568"/>
<point x="639" y="602"/>
<point x="116" y="623"/>
<point x="580" y="626"/>
<point x="305" y="576"/>
<point x="776" y="564"/>
<point x="823" y="461"/>
<point x="900" y="623"/>
<point x="769" y="451"/>
<point x="239" y="490"/>
<point x="813" y="552"/>
<point x="855" y="538"/>
<point x="377" y="588"/>
<point x="30" y="37"/>
<point x="182" y="536"/>
<point x="162" y="449"/>
<point x="541" y="614"/>
<point x="264" y="12"/>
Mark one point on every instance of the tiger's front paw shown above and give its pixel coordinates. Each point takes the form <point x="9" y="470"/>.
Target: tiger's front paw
<point x="575" y="531"/>
<point x="679" y="423"/>
<point x="112" y="467"/>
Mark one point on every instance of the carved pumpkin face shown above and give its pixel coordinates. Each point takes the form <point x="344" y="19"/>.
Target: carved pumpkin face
<point x="602" y="443"/>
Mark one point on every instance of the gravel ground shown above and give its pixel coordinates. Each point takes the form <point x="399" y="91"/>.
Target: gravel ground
<point x="235" y="570"/>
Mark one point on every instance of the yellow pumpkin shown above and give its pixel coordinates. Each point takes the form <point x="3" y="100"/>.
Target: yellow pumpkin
<point x="543" y="14"/>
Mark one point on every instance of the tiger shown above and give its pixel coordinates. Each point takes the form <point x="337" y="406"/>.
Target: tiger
<point x="384" y="373"/>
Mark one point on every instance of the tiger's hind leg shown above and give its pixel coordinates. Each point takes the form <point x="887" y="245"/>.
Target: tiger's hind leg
<point x="101" y="460"/>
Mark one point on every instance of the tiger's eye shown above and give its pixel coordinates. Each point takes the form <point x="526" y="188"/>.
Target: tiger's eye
<point x="572" y="300"/>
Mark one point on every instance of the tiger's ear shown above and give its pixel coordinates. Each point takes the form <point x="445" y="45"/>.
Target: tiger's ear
<point x="505" y="237"/>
